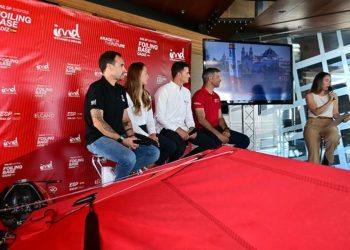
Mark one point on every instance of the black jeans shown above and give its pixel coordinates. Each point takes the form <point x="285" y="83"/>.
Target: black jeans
<point x="166" y="147"/>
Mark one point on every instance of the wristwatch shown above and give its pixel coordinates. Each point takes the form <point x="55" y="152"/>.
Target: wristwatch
<point x="120" y="139"/>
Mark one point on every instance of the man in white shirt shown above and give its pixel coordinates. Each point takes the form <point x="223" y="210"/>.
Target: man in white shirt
<point x="173" y="111"/>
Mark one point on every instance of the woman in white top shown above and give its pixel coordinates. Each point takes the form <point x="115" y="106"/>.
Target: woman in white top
<point x="322" y="108"/>
<point x="141" y="113"/>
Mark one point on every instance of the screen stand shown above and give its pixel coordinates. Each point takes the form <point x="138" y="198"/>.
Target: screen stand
<point x="248" y="126"/>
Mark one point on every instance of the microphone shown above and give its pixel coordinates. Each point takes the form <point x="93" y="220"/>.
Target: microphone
<point x="330" y="89"/>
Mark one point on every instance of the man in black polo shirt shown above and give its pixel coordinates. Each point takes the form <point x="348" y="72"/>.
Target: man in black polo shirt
<point x="109" y="130"/>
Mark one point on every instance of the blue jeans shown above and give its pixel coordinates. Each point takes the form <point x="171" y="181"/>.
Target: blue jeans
<point x="127" y="160"/>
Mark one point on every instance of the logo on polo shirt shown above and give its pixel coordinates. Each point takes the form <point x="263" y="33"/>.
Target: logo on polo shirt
<point x="93" y="102"/>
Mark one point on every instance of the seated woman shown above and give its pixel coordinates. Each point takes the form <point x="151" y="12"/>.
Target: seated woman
<point x="322" y="108"/>
<point x="141" y="113"/>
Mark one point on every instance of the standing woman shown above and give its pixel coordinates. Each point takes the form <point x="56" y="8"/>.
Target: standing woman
<point x="140" y="110"/>
<point x="322" y="108"/>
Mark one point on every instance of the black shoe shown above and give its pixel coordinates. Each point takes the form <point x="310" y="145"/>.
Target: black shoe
<point x="325" y="161"/>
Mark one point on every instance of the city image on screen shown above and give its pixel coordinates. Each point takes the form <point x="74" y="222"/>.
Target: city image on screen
<point x="251" y="73"/>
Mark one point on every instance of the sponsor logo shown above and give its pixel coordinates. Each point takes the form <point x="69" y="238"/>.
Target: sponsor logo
<point x="67" y="35"/>
<point x="9" y="90"/>
<point x="10" y="169"/>
<point x="93" y="102"/>
<point x="71" y="69"/>
<point x="75" y="185"/>
<point x="112" y="42"/>
<point x="43" y="67"/>
<point x="176" y="55"/>
<point x="76" y="139"/>
<point x="74" y="161"/>
<point x="74" y="115"/>
<point x="9" y="115"/>
<point x="9" y="20"/>
<point x="146" y="46"/>
<point x="7" y="61"/>
<point x="72" y="93"/>
<point x="98" y="73"/>
<point x="53" y="189"/>
<point x="44" y="140"/>
<point x="11" y="144"/>
<point x="43" y="90"/>
<point x="44" y="115"/>
<point x="46" y="167"/>
<point x="97" y="182"/>
<point x="161" y="79"/>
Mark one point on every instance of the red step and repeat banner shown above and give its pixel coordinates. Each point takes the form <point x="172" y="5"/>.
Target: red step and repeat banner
<point x="48" y="58"/>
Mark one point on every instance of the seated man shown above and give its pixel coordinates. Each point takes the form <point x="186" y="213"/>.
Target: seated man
<point x="173" y="111"/>
<point x="107" y="120"/>
<point x="209" y="120"/>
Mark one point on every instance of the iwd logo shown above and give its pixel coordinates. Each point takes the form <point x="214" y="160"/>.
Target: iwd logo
<point x="72" y="93"/>
<point x="9" y="90"/>
<point x="46" y="167"/>
<point x="11" y="144"/>
<point x="68" y="35"/>
<point x="76" y="139"/>
<point x="177" y="56"/>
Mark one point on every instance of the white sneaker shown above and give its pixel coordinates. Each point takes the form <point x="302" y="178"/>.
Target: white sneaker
<point x="108" y="175"/>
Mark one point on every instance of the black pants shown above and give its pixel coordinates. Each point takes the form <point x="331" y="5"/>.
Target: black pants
<point x="166" y="147"/>
<point x="175" y="138"/>
<point x="207" y="140"/>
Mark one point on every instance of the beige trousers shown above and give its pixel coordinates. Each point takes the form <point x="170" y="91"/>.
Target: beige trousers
<point x="315" y="129"/>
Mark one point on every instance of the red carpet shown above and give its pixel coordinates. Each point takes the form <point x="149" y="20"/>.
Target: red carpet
<point x="239" y="200"/>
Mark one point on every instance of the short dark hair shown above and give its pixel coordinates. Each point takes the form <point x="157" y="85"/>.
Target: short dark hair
<point x="178" y="67"/>
<point x="317" y="82"/>
<point x="207" y="72"/>
<point x="107" y="57"/>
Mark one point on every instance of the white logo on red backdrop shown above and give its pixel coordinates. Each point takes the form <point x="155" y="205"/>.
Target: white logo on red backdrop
<point x="9" y="115"/>
<point x="9" y="90"/>
<point x="11" y="143"/>
<point x="74" y="115"/>
<point x="46" y="167"/>
<point x="10" y="169"/>
<point x="72" y="93"/>
<point x="44" y="115"/>
<point x="53" y="189"/>
<point x="7" y="61"/>
<point x="75" y="139"/>
<point x="44" y="140"/>
<point x="75" y="185"/>
<point x="161" y="79"/>
<point x="10" y="20"/>
<point x="98" y="73"/>
<point x="43" y="90"/>
<point x="71" y="69"/>
<point x="176" y="56"/>
<point x="43" y="67"/>
<point x="112" y="42"/>
<point x="146" y="46"/>
<point x="67" y="35"/>
<point x="74" y="161"/>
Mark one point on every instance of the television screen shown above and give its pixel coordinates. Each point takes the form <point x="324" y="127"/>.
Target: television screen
<point x="251" y="73"/>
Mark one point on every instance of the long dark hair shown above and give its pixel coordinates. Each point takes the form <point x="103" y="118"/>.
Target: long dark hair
<point x="316" y="87"/>
<point x="135" y="88"/>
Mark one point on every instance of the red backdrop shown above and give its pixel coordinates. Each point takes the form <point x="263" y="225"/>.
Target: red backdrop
<point x="48" y="58"/>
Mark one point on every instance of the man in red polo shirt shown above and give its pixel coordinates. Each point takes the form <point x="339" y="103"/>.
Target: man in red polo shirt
<point x="206" y="105"/>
